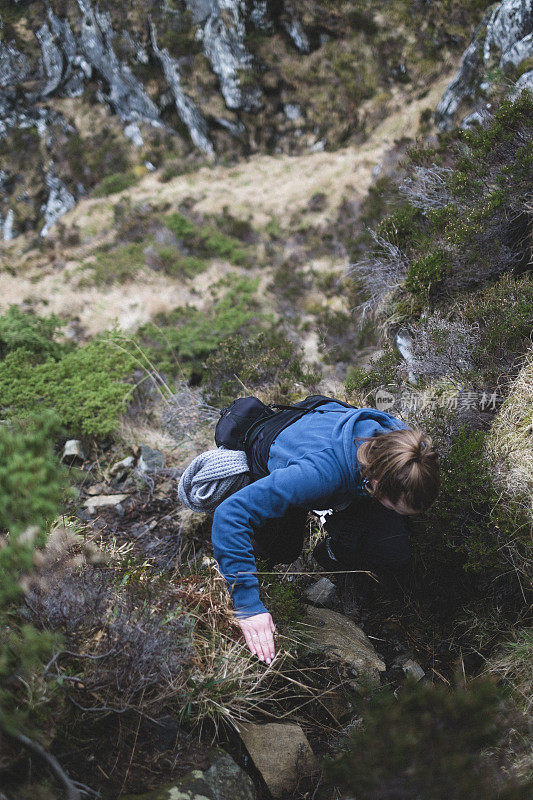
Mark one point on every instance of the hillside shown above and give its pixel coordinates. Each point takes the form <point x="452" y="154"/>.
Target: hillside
<point x="206" y="200"/>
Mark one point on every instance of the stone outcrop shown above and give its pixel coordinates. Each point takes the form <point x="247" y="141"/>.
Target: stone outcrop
<point x="223" y="780"/>
<point x="342" y="640"/>
<point x="280" y="752"/>
<point x="504" y="36"/>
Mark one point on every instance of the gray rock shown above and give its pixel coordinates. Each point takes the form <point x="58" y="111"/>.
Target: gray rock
<point x="505" y="29"/>
<point x="73" y="452"/>
<point x="187" y="110"/>
<point x="223" y="43"/>
<point x="223" y="780"/>
<point x="298" y="35"/>
<point x="321" y="593"/>
<point x="280" y="752"/>
<point x="104" y="501"/>
<point x="60" y="200"/>
<point x="122" y="466"/>
<point x="150" y="460"/>
<point x="342" y="640"/>
<point x="413" y="669"/>
<point x="525" y="81"/>
<point x="52" y="60"/>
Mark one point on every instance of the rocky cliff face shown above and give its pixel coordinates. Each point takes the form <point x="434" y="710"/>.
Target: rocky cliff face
<point x="504" y="41"/>
<point x="90" y="88"/>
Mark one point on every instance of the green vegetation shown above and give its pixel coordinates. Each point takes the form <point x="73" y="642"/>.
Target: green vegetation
<point x="117" y="182"/>
<point x="86" y="386"/>
<point x="462" y="221"/>
<point x="186" y="336"/>
<point x="206" y="240"/>
<point x="269" y="362"/>
<point x="119" y="264"/>
<point x="429" y="742"/>
<point x="32" y="486"/>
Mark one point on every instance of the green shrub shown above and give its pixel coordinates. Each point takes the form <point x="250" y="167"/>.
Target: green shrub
<point x="269" y="361"/>
<point x="429" y="743"/>
<point x="206" y="240"/>
<point x="425" y="272"/>
<point x="383" y="371"/>
<point x="463" y="221"/>
<point x="483" y="534"/>
<point x="32" y="486"/>
<point x="175" y="264"/>
<point x="118" y="265"/>
<point x="85" y="386"/>
<point x="179" y="225"/>
<point x="187" y="335"/>
<point x="115" y="183"/>
<point x="37" y="335"/>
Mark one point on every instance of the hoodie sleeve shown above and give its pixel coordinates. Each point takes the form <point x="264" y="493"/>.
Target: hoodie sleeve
<point x="302" y="485"/>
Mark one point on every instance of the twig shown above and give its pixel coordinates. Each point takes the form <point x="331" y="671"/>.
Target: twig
<point x="71" y="791"/>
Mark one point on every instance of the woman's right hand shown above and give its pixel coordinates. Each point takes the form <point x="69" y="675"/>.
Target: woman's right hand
<point x="259" y="634"/>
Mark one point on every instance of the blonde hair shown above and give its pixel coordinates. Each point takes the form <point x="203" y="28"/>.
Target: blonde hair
<point x="404" y="464"/>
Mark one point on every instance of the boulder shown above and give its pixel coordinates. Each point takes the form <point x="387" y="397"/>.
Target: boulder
<point x="223" y="779"/>
<point x="413" y="669"/>
<point x="321" y="593"/>
<point x="342" y="640"/>
<point x="280" y="751"/>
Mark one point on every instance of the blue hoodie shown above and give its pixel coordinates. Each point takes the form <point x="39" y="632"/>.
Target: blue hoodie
<point x="311" y="464"/>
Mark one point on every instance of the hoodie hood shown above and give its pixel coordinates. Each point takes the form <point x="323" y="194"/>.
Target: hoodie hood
<point x="366" y="422"/>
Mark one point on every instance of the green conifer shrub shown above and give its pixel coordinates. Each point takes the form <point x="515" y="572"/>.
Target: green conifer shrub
<point x="86" y="385"/>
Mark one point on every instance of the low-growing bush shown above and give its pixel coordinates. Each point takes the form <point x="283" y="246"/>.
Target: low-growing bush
<point x="32" y="488"/>
<point x="86" y="386"/>
<point x="429" y="742"/>
<point x="185" y="337"/>
<point x="115" y="183"/>
<point x="206" y="239"/>
<point x="269" y="362"/>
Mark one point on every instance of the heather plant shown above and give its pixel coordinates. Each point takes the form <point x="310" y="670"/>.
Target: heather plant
<point x="181" y="340"/>
<point x="429" y="742"/>
<point x="464" y="222"/>
<point x="269" y="362"/>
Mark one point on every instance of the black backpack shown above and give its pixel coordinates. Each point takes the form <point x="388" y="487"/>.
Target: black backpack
<point x="241" y="421"/>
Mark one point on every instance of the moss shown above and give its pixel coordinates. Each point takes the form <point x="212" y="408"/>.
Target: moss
<point x="283" y="599"/>
<point x="115" y="183"/>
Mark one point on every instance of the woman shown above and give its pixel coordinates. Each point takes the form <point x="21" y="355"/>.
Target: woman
<point x="365" y="464"/>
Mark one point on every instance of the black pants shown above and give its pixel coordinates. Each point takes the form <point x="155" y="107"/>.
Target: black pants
<point x="365" y="536"/>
